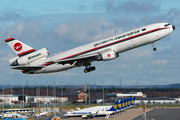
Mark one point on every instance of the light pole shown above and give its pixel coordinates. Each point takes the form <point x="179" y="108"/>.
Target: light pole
<point x="61" y="97"/>
<point x="3" y="99"/>
<point x="11" y="95"/>
<point x="37" y="97"/>
<point x="85" y="96"/>
<point x="23" y="95"/>
<point x="89" y="94"/>
<point x="54" y="105"/>
<point x="103" y="93"/>
<point x="47" y="96"/>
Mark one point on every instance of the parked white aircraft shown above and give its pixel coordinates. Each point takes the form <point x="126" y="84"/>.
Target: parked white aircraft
<point x="32" y="61"/>
<point x="93" y="111"/>
<point x="100" y="111"/>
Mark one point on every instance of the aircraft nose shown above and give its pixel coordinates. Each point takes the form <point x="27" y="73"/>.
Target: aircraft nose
<point x="173" y="27"/>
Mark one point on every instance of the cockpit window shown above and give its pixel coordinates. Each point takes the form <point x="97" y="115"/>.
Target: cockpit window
<point x="166" y="25"/>
<point x="143" y="29"/>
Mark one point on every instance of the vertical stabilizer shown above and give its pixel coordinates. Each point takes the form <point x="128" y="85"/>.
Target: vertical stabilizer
<point x="19" y="47"/>
<point x="119" y="107"/>
<point x="133" y="101"/>
<point x="114" y="107"/>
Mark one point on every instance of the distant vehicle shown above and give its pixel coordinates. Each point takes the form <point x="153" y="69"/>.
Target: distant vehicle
<point x="99" y="111"/>
<point x="32" y="61"/>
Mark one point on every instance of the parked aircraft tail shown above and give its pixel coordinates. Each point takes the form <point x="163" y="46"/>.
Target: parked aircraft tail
<point x="133" y="101"/>
<point x="119" y="107"/>
<point x="114" y="107"/>
<point x="128" y="102"/>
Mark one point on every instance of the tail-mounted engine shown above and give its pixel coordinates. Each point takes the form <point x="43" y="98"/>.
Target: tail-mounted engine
<point x="108" y="55"/>
<point x="24" y="60"/>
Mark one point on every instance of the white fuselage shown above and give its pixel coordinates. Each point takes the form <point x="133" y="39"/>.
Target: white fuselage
<point x="98" y="110"/>
<point x="119" y="43"/>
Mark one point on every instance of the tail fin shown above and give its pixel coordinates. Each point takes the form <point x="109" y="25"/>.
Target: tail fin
<point x="122" y="104"/>
<point x="128" y="102"/>
<point x="19" y="47"/>
<point x="119" y="107"/>
<point x="133" y="101"/>
<point x="114" y="107"/>
<point x="125" y="103"/>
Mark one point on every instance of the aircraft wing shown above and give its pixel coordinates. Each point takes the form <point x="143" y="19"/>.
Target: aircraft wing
<point x="28" y="67"/>
<point x="78" y="57"/>
<point x="74" y="58"/>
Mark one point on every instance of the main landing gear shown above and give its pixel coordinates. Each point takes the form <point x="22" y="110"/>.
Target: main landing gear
<point x="154" y="48"/>
<point x="89" y="69"/>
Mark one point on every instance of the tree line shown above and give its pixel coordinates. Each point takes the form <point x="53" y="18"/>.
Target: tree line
<point x="150" y="92"/>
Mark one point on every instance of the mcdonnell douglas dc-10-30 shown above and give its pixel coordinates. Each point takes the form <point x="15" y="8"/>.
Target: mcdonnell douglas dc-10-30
<point x="31" y="61"/>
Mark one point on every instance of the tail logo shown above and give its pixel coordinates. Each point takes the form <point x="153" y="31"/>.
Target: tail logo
<point x="119" y="105"/>
<point x="122" y="104"/>
<point x="115" y="107"/>
<point x="128" y="102"/>
<point x="17" y="46"/>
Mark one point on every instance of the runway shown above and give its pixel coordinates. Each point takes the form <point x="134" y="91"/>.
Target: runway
<point x="162" y="114"/>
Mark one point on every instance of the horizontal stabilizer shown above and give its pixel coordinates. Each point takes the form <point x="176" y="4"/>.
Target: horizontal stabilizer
<point x="28" y="67"/>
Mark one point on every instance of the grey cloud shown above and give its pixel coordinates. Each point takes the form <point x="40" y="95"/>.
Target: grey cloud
<point x="131" y="6"/>
<point x="172" y="16"/>
<point x="84" y="30"/>
<point x="82" y="7"/>
<point x="10" y="16"/>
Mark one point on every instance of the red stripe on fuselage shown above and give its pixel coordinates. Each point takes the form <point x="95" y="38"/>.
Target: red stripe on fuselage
<point x="108" y="44"/>
<point x="112" y="43"/>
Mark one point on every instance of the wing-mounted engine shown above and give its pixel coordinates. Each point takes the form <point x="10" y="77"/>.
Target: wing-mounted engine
<point x="26" y="59"/>
<point x="108" y="55"/>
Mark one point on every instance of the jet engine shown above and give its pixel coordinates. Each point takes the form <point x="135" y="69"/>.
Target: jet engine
<point x="36" y="55"/>
<point x="108" y="55"/>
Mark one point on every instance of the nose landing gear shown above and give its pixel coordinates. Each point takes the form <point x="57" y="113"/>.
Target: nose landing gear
<point x="154" y="48"/>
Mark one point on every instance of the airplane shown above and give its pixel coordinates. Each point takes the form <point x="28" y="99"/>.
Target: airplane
<point x="132" y="101"/>
<point x="31" y="61"/>
<point x="99" y="111"/>
<point x="91" y="112"/>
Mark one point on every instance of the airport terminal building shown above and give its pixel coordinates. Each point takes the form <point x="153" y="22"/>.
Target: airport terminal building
<point x="121" y="95"/>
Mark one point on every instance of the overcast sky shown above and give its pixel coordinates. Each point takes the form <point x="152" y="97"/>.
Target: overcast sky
<point x="61" y="25"/>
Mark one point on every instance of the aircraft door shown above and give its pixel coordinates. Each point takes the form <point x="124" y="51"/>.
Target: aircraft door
<point x="130" y="43"/>
<point x="157" y="34"/>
